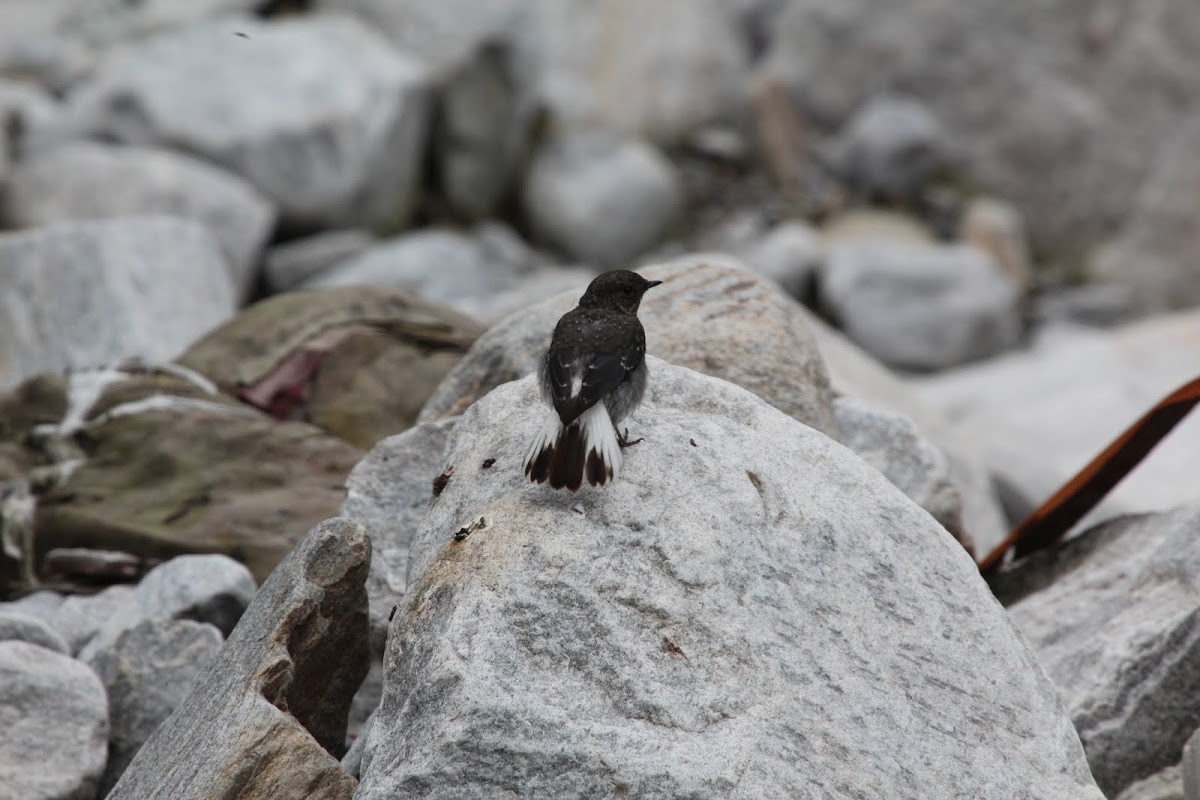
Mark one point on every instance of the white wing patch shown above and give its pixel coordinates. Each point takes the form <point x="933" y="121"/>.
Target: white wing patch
<point x="576" y="381"/>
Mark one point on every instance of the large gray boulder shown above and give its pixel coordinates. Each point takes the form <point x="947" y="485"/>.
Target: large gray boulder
<point x="749" y="611"/>
<point x="55" y="722"/>
<point x="319" y="113"/>
<point x="85" y="180"/>
<point x="79" y="294"/>
<point x="267" y="717"/>
<point x="1050" y="107"/>
<point x="710" y="314"/>
<point x="1114" y="616"/>
<point x="603" y="201"/>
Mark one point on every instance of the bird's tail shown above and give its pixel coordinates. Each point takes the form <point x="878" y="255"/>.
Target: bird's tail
<point x="565" y="454"/>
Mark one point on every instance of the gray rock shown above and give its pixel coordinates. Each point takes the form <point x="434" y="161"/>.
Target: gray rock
<point x="594" y="56"/>
<point x="1039" y="416"/>
<point x="603" y="201"/>
<point x="352" y="761"/>
<point x="23" y="628"/>
<point x="891" y="147"/>
<point x="1130" y="691"/>
<point x="710" y="314"/>
<point x="55" y="722"/>
<point x="892" y="444"/>
<point x="440" y="265"/>
<point x="81" y="617"/>
<point x="791" y="254"/>
<point x="78" y="294"/>
<point x="570" y="648"/>
<point x="84" y="180"/>
<point x="56" y="42"/>
<point x="854" y="373"/>
<point x="485" y="123"/>
<point x="41" y="604"/>
<point x="1189" y="768"/>
<point x="27" y="114"/>
<point x="918" y="306"/>
<point x="147" y="672"/>
<point x="319" y="113"/>
<point x="1153" y="255"/>
<point x="267" y="717"/>
<point x="288" y="265"/>
<point x="1164" y="785"/>
<point x="1095" y="82"/>
<point x="205" y="588"/>
<point x="387" y="493"/>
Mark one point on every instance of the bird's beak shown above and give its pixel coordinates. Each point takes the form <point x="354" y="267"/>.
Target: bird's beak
<point x="652" y="284"/>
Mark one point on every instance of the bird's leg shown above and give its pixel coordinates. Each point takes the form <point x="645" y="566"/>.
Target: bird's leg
<point x="623" y="439"/>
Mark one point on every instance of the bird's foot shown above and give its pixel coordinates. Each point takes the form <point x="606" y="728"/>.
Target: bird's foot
<point x="623" y="439"/>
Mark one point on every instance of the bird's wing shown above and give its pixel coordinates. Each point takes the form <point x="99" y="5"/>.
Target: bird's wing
<point x="578" y="380"/>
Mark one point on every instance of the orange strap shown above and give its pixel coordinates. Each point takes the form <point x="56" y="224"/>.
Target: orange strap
<point x="1051" y="521"/>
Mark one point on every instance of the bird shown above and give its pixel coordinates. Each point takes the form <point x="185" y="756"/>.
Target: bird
<point x="593" y="376"/>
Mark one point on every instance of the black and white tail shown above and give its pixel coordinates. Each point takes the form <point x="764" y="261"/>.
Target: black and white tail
<point x="565" y="454"/>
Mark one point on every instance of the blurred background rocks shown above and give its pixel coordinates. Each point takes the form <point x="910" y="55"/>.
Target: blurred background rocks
<point x="247" y="245"/>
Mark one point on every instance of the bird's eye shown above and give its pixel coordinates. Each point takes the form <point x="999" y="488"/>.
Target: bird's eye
<point x="628" y="290"/>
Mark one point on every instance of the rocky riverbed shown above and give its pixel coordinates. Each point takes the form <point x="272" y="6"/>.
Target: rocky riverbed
<point x="274" y="278"/>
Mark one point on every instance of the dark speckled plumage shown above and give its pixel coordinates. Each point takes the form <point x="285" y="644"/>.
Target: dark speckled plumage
<point x="597" y="354"/>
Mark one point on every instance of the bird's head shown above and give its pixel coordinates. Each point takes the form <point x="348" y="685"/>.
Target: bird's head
<point x="619" y="289"/>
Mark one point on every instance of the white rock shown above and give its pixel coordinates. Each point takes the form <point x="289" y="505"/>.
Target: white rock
<point x="1118" y="631"/>
<point x="84" y="180"/>
<point x="79" y="294"/>
<point x="55" y="721"/>
<point x="917" y="306"/>
<point x="760" y="614"/>
<point x="1041" y="415"/>
<point x="319" y="113"/>
<point x="603" y="201"/>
